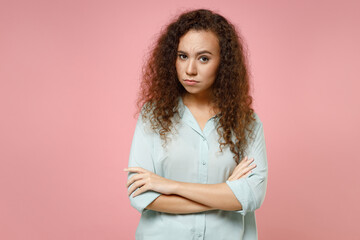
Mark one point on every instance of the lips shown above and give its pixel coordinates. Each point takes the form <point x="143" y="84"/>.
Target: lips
<point x="190" y="82"/>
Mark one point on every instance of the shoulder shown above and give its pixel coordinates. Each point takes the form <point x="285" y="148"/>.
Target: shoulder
<point x="144" y="119"/>
<point x="257" y="121"/>
<point x="257" y="130"/>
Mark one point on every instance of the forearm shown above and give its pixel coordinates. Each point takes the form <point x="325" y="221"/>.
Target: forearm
<point x="217" y="196"/>
<point x="176" y="205"/>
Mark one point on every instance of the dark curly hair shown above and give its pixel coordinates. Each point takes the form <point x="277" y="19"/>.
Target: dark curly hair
<point x="160" y="87"/>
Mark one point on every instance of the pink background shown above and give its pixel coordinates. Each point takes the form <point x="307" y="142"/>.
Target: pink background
<point x="69" y="74"/>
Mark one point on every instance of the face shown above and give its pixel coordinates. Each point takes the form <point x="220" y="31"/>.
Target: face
<point x="198" y="61"/>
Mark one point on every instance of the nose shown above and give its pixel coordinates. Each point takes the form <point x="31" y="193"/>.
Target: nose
<point x="191" y="68"/>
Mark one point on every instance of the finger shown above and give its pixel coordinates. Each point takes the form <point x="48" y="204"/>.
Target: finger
<point x="135" y="169"/>
<point x="236" y="176"/>
<point x="136" y="185"/>
<point x="243" y="175"/>
<point x="248" y="168"/>
<point x="246" y="159"/>
<point x="252" y="166"/>
<point x="249" y="161"/>
<point x="246" y="171"/>
<point x="133" y="179"/>
<point x="140" y="191"/>
<point x="232" y="178"/>
<point x="240" y="168"/>
<point x="240" y="173"/>
<point x="246" y="175"/>
<point x="245" y="162"/>
<point x="242" y="161"/>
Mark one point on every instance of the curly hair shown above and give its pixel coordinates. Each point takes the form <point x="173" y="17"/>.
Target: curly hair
<point x="160" y="87"/>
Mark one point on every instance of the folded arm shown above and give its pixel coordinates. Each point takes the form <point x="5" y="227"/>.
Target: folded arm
<point x="218" y="196"/>
<point x="176" y="205"/>
<point x="181" y="197"/>
<point x="174" y="197"/>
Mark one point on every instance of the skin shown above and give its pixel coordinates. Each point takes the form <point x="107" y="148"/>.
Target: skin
<point x="198" y="59"/>
<point x="181" y="197"/>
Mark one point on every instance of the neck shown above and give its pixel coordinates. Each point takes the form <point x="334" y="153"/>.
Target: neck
<point x="200" y="101"/>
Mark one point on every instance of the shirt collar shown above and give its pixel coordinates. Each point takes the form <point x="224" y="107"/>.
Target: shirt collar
<point x="181" y="109"/>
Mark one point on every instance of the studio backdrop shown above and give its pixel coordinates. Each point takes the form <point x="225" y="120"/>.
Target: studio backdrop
<point x="69" y="78"/>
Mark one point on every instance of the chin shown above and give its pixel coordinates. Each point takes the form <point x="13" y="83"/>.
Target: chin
<point x="191" y="90"/>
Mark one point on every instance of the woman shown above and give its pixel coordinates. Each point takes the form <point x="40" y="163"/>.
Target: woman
<point x="196" y="124"/>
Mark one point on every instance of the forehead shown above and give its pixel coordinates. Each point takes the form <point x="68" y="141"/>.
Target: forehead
<point x="195" y="40"/>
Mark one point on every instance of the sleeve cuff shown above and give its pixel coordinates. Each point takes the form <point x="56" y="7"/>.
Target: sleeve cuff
<point x="141" y="201"/>
<point x="242" y="192"/>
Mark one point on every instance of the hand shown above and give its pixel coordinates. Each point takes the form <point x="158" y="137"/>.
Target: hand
<point x="145" y="180"/>
<point x="243" y="169"/>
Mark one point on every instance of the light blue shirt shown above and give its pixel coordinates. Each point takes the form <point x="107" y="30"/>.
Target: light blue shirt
<point x="193" y="155"/>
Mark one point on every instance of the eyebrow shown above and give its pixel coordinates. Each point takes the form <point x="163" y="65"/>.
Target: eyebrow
<point x="198" y="53"/>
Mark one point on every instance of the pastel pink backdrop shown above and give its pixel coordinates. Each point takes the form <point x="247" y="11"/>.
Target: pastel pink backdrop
<point x="69" y="74"/>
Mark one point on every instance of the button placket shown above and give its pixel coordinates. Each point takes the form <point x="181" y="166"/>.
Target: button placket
<point x="203" y="160"/>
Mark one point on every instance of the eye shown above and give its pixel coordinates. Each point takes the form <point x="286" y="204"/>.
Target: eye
<point x="204" y="59"/>
<point x="182" y="56"/>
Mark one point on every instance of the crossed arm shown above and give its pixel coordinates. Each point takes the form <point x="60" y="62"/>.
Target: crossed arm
<point x="181" y="198"/>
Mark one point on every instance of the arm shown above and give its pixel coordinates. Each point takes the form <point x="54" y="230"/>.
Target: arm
<point x="176" y="205"/>
<point x="141" y="156"/>
<point x="251" y="191"/>
<point x="218" y="196"/>
<point x="196" y="197"/>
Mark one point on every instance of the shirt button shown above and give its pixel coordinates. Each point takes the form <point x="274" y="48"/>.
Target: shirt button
<point x="204" y="163"/>
<point x="199" y="235"/>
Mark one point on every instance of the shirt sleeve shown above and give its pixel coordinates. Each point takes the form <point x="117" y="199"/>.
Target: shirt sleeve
<point x="141" y="155"/>
<point x="250" y="191"/>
